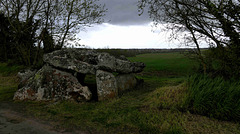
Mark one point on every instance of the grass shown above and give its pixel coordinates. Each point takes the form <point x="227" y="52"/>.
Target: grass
<point x="214" y="97"/>
<point x="153" y="107"/>
<point x="7" y="91"/>
<point x="6" y="70"/>
<point x="8" y="81"/>
<point x="169" y="97"/>
<point x="166" y="64"/>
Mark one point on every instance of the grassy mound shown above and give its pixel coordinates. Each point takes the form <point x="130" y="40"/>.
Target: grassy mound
<point x="169" y="97"/>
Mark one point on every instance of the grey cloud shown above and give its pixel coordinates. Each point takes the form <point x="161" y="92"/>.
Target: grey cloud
<point x="124" y="12"/>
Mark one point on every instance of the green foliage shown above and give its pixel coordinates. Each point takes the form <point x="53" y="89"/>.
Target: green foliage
<point x="214" y="97"/>
<point x="18" y="42"/>
<point x="7" y="92"/>
<point x="48" y="41"/>
<point x="5" y="38"/>
<point x="8" y="81"/>
<point x="6" y="69"/>
<point x="223" y="62"/>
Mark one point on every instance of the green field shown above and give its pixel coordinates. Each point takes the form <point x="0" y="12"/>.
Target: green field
<point x="156" y="106"/>
<point x="169" y="63"/>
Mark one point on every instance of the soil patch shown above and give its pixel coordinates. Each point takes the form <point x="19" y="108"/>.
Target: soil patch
<point x="13" y="122"/>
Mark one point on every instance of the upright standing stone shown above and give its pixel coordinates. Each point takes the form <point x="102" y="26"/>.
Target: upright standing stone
<point x="106" y="85"/>
<point x="126" y="82"/>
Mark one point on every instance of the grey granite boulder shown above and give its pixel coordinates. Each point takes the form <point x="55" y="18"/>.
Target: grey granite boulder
<point x="52" y="84"/>
<point x="24" y="75"/>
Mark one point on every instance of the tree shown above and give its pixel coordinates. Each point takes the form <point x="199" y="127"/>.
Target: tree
<point x="48" y="24"/>
<point x="4" y="38"/>
<point x="212" y="22"/>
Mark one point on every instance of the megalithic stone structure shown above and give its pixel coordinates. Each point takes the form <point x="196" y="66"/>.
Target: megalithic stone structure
<point x="57" y="79"/>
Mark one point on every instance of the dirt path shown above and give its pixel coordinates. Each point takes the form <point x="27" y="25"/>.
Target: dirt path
<point x="12" y="122"/>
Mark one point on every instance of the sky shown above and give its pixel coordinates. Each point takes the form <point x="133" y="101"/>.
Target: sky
<point x="124" y="28"/>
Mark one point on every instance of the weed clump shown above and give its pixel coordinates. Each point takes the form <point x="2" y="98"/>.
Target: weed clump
<point x="214" y="97"/>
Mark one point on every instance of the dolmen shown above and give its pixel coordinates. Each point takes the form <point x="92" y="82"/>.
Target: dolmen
<point x="62" y="76"/>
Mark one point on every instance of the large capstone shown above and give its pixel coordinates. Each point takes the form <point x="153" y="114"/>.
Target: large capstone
<point x="112" y="64"/>
<point x="88" y="61"/>
<point x="62" y="76"/>
<point x="68" y="61"/>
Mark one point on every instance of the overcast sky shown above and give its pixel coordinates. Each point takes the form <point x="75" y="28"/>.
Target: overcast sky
<point x="124" y="12"/>
<point x="124" y="28"/>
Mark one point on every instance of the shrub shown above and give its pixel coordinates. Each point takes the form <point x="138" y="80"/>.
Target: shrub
<point x="214" y="97"/>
